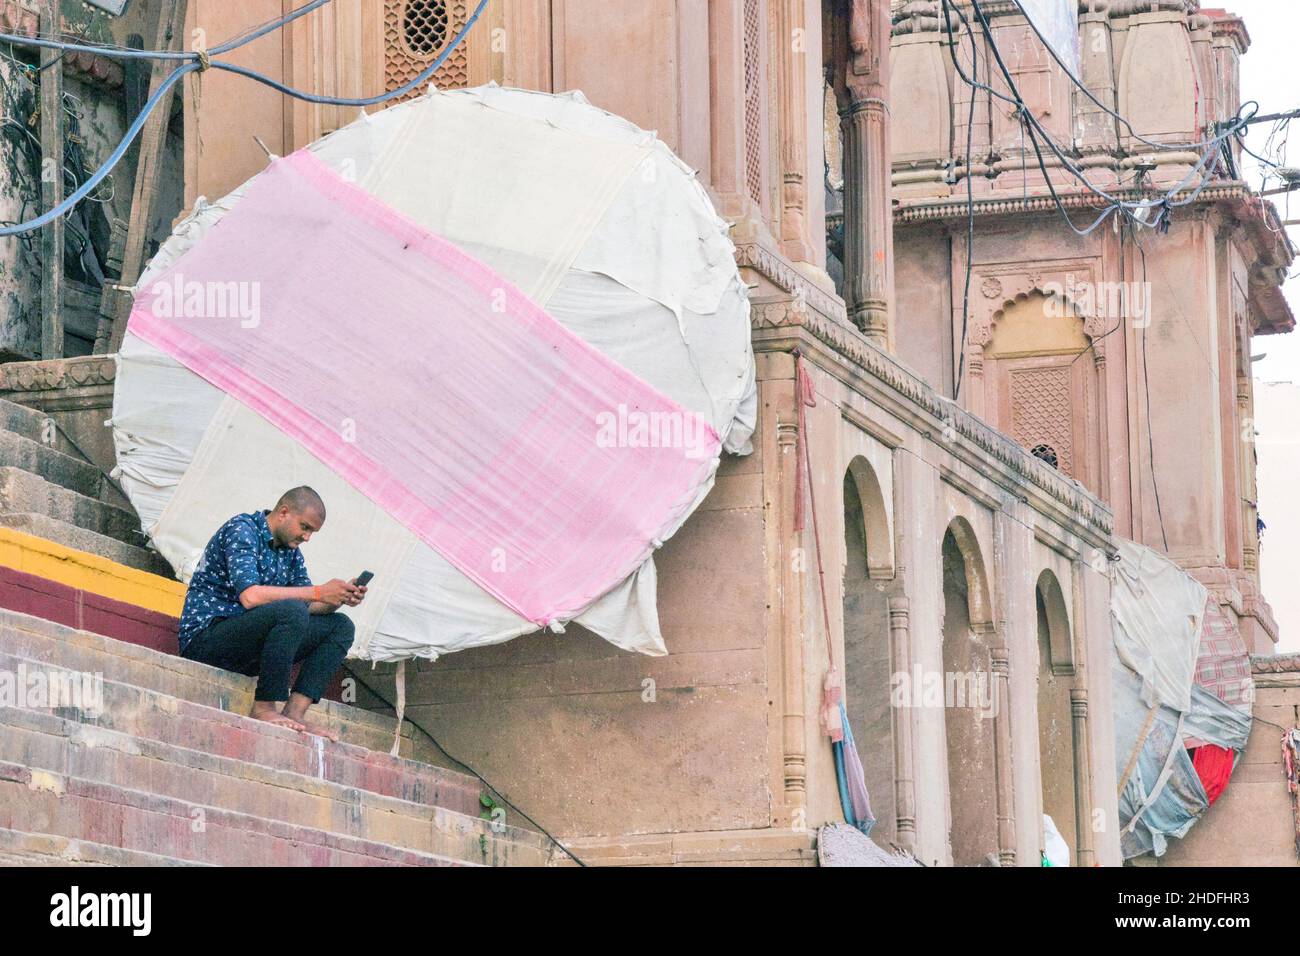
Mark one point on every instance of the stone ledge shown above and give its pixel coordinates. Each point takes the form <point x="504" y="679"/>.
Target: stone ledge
<point x="711" y="848"/>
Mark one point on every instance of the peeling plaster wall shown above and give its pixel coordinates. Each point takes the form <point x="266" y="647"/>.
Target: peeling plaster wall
<point x="95" y="96"/>
<point x="20" y="263"/>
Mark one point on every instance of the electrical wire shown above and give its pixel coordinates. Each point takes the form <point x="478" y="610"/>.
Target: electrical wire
<point x="1090" y="95"/>
<point x="202" y="61"/>
<point x="1146" y="385"/>
<point x="1113" y="203"/>
<point x="443" y="750"/>
<point x="1038" y="135"/>
<point x="970" y="209"/>
<point x="130" y="53"/>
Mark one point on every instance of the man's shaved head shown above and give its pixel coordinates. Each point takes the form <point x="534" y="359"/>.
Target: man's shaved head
<point x="301" y="499"/>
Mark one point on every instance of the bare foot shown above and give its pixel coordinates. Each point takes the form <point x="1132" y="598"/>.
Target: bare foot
<point x="267" y="712"/>
<point x="320" y="731"/>
<point x="296" y="709"/>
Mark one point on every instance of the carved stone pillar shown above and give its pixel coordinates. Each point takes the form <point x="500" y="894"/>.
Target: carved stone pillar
<point x="793" y="87"/>
<point x="1095" y="132"/>
<point x="1202" y="34"/>
<point x="1084" y="854"/>
<point x="862" y="83"/>
<point x="1103" y="421"/>
<point x="1001" y="666"/>
<point x="1249" y="479"/>
<point x="794" y="756"/>
<point x="900" y="652"/>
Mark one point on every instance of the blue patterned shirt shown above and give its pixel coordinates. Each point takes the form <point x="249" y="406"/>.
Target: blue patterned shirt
<point x="240" y="555"/>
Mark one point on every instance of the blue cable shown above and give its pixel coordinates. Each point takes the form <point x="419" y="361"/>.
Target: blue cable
<point x="114" y="158"/>
<point x="126" y="53"/>
<point x="413" y="83"/>
<point x="194" y="64"/>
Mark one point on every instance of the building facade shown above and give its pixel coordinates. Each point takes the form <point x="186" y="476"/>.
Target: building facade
<point x="924" y="548"/>
<point x="932" y="514"/>
<point x="1123" y="356"/>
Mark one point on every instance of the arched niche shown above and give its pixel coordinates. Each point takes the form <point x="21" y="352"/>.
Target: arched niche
<point x="876" y="531"/>
<point x="1054" y="624"/>
<point x="980" y="609"/>
<point x="969" y="700"/>
<point x="1041" y="382"/>
<point x="868" y="668"/>
<point x="1036" y="323"/>
<point x="1055" y="726"/>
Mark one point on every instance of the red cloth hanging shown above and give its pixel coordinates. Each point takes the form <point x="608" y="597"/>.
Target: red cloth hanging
<point x="1213" y="765"/>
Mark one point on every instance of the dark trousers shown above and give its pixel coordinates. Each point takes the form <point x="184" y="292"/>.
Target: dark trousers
<point x="266" y="641"/>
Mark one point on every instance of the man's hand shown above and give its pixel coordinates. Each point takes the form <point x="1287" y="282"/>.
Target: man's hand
<point x="360" y="590"/>
<point x="338" y="592"/>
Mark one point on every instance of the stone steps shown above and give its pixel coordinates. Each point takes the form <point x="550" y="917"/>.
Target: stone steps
<point x="23" y="492"/>
<point x="82" y="539"/>
<point x="23" y="635"/>
<point x="72" y="750"/>
<point x="171" y="745"/>
<point x="54" y="466"/>
<point x="49" y="490"/>
<point x="42" y="849"/>
<point x="138" y="712"/>
<point x="23" y="421"/>
<point x="133" y="820"/>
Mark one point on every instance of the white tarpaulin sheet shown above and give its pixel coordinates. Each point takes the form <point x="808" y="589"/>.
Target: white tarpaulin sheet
<point x="1157" y="610"/>
<point x="594" y="218"/>
<point x="1058" y="21"/>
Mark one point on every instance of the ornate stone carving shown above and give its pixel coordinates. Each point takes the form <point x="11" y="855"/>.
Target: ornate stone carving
<point x="1041" y="412"/>
<point x="789" y="279"/>
<point x="415" y="32"/>
<point x="918" y="16"/>
<point x="57" y="373"/>
<point x="954" y="208"/>
<point x="859" y="76"/>
<point x="829" y="327"/>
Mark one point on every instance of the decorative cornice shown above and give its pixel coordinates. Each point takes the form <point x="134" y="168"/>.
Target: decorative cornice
<point x="787" y="278"/>
<point x="954" y="208"/>
<point x="53" y="374"/>
<point x="990" y="452"/>
<point x="1128" y="8"/>
<point x="95" y="68"/>
<point x="1230" y="27"/>
<point x="917" y="16"/>
<point x="19" y="19"/>
<point x="1275" y="664"/>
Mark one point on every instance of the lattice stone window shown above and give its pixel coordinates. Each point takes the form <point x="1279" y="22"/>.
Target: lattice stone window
<point x="1041" y="413"/>
<point x="415" y="32"/>
<point x="1046" y="453"/>
<point x="424" y="26"/>
<point x="753" y="102"/>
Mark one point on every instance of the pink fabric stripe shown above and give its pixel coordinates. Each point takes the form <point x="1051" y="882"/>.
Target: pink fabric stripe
<point x="432" y="385"/>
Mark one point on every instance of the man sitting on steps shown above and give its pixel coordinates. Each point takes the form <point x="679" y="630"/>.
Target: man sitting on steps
<point x="251" y="608"/>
